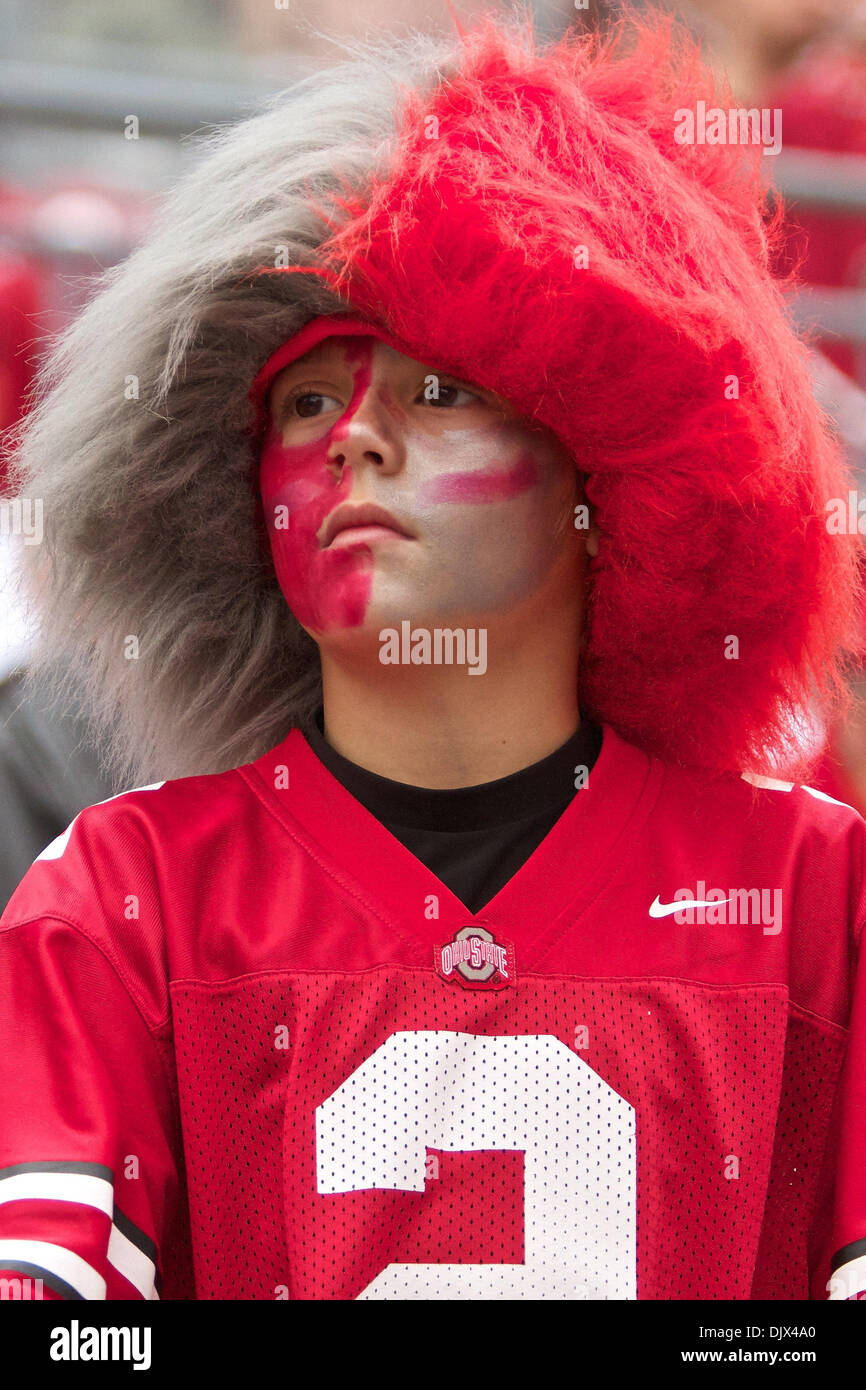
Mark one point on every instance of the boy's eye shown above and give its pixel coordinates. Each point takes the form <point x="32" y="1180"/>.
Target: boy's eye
<point x="302" y="400"/>
<point x="446" y="393"/>
<point x="303" y="404"/>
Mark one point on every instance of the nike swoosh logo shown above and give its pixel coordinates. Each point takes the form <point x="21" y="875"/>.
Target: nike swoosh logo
<point x="660" y="909"/>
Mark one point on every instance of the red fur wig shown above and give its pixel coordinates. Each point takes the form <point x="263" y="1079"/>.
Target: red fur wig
<point x="536" y="228"/>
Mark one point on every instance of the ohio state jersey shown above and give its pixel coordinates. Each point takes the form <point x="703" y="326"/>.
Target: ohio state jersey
<point x="254" y="1049"/>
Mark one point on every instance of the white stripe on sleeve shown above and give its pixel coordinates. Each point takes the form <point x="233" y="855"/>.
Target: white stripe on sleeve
<point x="57" y="1260"/>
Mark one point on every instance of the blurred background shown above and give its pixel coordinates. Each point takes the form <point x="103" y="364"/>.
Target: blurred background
<point x="101" y="104"/>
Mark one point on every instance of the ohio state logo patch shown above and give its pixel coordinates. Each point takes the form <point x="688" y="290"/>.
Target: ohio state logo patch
<point x="476" y="960"/>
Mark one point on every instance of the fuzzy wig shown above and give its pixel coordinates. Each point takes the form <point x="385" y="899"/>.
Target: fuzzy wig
<point x="518" y="214"/>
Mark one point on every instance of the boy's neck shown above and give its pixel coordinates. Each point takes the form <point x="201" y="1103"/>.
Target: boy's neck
<point x="440" y="726"/>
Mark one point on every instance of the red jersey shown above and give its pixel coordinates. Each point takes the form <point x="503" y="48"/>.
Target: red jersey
<point x="254" y="1049"/>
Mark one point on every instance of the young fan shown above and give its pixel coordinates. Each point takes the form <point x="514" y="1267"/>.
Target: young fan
<point x="434" y="512"/>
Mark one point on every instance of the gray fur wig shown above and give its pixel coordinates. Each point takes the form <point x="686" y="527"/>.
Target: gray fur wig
<point x="443" y="188"/>
<point x="150" y="537"/>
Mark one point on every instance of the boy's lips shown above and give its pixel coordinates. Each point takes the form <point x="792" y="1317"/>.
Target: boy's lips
<point x="348" y="519"/>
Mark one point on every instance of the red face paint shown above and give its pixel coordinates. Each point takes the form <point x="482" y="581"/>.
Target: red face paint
<point x="325" y="588"/>
<point x="407" y="464"/>
<point x="487" y="485"/>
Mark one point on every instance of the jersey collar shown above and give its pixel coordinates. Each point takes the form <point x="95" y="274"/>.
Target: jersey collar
<point x="549" y="892"/>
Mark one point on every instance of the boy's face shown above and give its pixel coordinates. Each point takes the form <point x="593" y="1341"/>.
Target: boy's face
<point x="477" y="502"/>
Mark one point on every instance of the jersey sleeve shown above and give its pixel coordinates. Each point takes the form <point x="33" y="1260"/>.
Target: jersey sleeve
<point x="91" y="1184"/>
<point x="840" y="1272"/>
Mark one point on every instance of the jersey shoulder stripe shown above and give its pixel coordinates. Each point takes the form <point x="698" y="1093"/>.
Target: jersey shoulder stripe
<point x="128" y="1249"/>
<point x="56" y="848"/>
<point x="848" y="1272"/>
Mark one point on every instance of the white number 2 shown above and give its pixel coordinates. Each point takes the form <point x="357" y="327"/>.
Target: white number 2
<point x="459" y="1092"/>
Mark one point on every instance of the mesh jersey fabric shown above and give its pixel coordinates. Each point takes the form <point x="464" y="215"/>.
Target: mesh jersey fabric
<point x="240" y="1070"/>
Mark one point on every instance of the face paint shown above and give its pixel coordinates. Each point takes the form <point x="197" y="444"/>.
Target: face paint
<point x="508" y="485"/>
<point x="324" y="588"/>
<point x="489" y="485"/>
<point x="491" y="534"/>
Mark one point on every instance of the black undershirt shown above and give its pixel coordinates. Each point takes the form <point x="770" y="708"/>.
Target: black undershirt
<point x="472" y="838"/>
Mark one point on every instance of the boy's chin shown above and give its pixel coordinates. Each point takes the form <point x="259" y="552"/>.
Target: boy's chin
<point x="381" y="624"/>
<point x="409" y="619"/>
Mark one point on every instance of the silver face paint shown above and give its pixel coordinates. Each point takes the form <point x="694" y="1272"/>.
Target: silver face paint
<point x="486" y="495"/>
